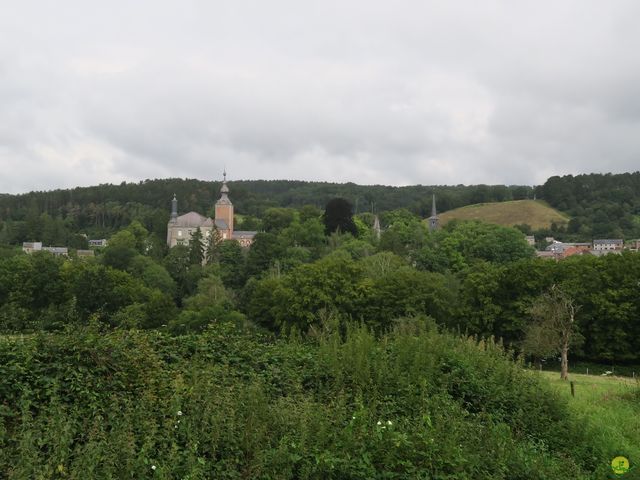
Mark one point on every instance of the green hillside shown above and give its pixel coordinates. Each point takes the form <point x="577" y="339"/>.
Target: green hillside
<point x="535" y="213"/>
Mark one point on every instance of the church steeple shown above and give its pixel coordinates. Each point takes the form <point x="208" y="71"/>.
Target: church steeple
<point x="224" y="190"/>
<point x="224" y="210"/>
<point x="433" y="219"/>
<point x="376" y="227"/>
<point x="174" y="209"/>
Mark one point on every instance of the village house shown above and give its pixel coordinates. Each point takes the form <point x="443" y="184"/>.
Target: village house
<point x="608" y="244"/>
<point x="30" y="247"/>
<point x="102" y="242"/>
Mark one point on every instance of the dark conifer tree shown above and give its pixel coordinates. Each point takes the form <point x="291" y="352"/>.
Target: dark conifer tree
<point x="212" y="253"/>
<point x="338" y="216"/>
<point x="196" y="248"/>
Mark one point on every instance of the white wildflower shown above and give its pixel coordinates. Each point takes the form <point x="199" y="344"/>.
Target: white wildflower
<point x="179" y="413"/>
<point x="389" y="422"/>
<point x="153" y="467"/>
<point x="379" y="422"/>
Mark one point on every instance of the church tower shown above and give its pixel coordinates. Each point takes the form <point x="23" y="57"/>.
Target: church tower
<point x="174" y="210"/>
<point x="224" y="211"/>
<point x="376" y="227"/>
<point x="433" y="219"/>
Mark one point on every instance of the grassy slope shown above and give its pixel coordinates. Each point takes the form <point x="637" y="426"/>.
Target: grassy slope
<point x="608" y="404"/>
<point x="535" y="213"/>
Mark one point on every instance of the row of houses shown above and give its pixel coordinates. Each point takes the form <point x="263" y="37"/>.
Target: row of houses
<point x="30" y="247"/>
<point x="558" y="250"/>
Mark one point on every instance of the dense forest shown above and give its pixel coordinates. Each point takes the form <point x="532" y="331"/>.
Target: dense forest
<point x="600" y="205"/>
<point x="56" y="216"/>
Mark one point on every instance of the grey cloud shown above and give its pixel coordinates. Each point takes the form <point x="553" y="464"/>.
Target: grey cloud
<point x="398" y="92"/>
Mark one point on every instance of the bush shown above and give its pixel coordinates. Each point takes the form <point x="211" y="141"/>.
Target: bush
<point x="231" y="404"/>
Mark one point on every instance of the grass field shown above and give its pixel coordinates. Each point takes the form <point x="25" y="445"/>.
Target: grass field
<point x="535" y="213"/>
<point x="610" y="406"/>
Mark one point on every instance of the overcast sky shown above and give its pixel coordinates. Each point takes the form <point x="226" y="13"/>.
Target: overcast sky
<point x="397" y="92"/>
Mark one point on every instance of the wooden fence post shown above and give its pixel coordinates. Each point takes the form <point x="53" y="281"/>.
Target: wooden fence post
<point x="573" y="392"/>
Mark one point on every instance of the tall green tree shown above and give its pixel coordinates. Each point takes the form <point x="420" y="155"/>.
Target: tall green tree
<point x="196" y="247"/>
<point x="212" y="253"/>
<point x="121" y="250"/>
<point x="554" y="327"/>
<point x="232" y="264"/>
<point x="265" y="250"/>
<point x="338" y="215"/>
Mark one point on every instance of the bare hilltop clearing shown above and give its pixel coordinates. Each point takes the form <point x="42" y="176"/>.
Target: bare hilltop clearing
<point x="535" y="213"/>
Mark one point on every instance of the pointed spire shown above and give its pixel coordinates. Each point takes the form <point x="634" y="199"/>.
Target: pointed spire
<point x="376" y="227"/>
<point x="224" y="190"/>
<point x="433" y="219"/>
<point x="174" y="208"/>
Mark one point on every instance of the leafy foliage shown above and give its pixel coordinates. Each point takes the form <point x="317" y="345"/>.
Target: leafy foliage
<point x="228" y="404"/>
<point x="601" y="205"/>
<point x="338" y="217"/>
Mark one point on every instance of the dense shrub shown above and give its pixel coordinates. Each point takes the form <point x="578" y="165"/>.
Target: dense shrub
<point x="229" y="404"/>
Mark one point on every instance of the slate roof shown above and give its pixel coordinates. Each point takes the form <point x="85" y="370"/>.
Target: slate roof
<point x="193" y="220"/>
<point x="243" y="234"/>
<point x="221" y="224"/>
<point x="617" y="241"/>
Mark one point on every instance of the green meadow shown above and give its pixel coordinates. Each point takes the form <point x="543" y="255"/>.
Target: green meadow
<point x="610" y="404"/>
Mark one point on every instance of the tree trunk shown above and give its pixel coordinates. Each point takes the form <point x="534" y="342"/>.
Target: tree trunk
<point x="564" y="362"/>
<point x="538" y="363"/>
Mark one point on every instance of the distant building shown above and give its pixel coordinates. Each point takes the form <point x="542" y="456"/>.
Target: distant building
<point x="576" y="250"/>
<point x="180" y="228"/>
<point x="634" y="245"/>
<point x="98" y="243"/>
<point x="30" y="247"/>
<point x="560" y="250"/>
<point x="556" y="247"/>
<point x="608" y="244"/>
<point x="433" y="219"/>
<point x="85" y="253"/>
<point x="57" y="251"/>
<point x="531" y="240"/>
<point x="377" y="231"/>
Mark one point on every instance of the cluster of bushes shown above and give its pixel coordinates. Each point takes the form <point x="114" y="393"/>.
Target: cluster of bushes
<point x="413" y="403"/>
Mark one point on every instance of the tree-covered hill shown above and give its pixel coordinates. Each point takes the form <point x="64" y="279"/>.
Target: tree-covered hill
<point x="601" y="205"/>
<point x="103" y="209"/>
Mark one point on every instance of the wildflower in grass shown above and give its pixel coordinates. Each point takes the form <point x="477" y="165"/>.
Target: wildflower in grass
<point x="153" y="467"/>
<point x="389" y="422"/>
<point x="379" y="423"/>
<point x="179" y="413"/>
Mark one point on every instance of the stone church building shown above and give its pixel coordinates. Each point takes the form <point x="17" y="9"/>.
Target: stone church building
<point x="180" y="228"/>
